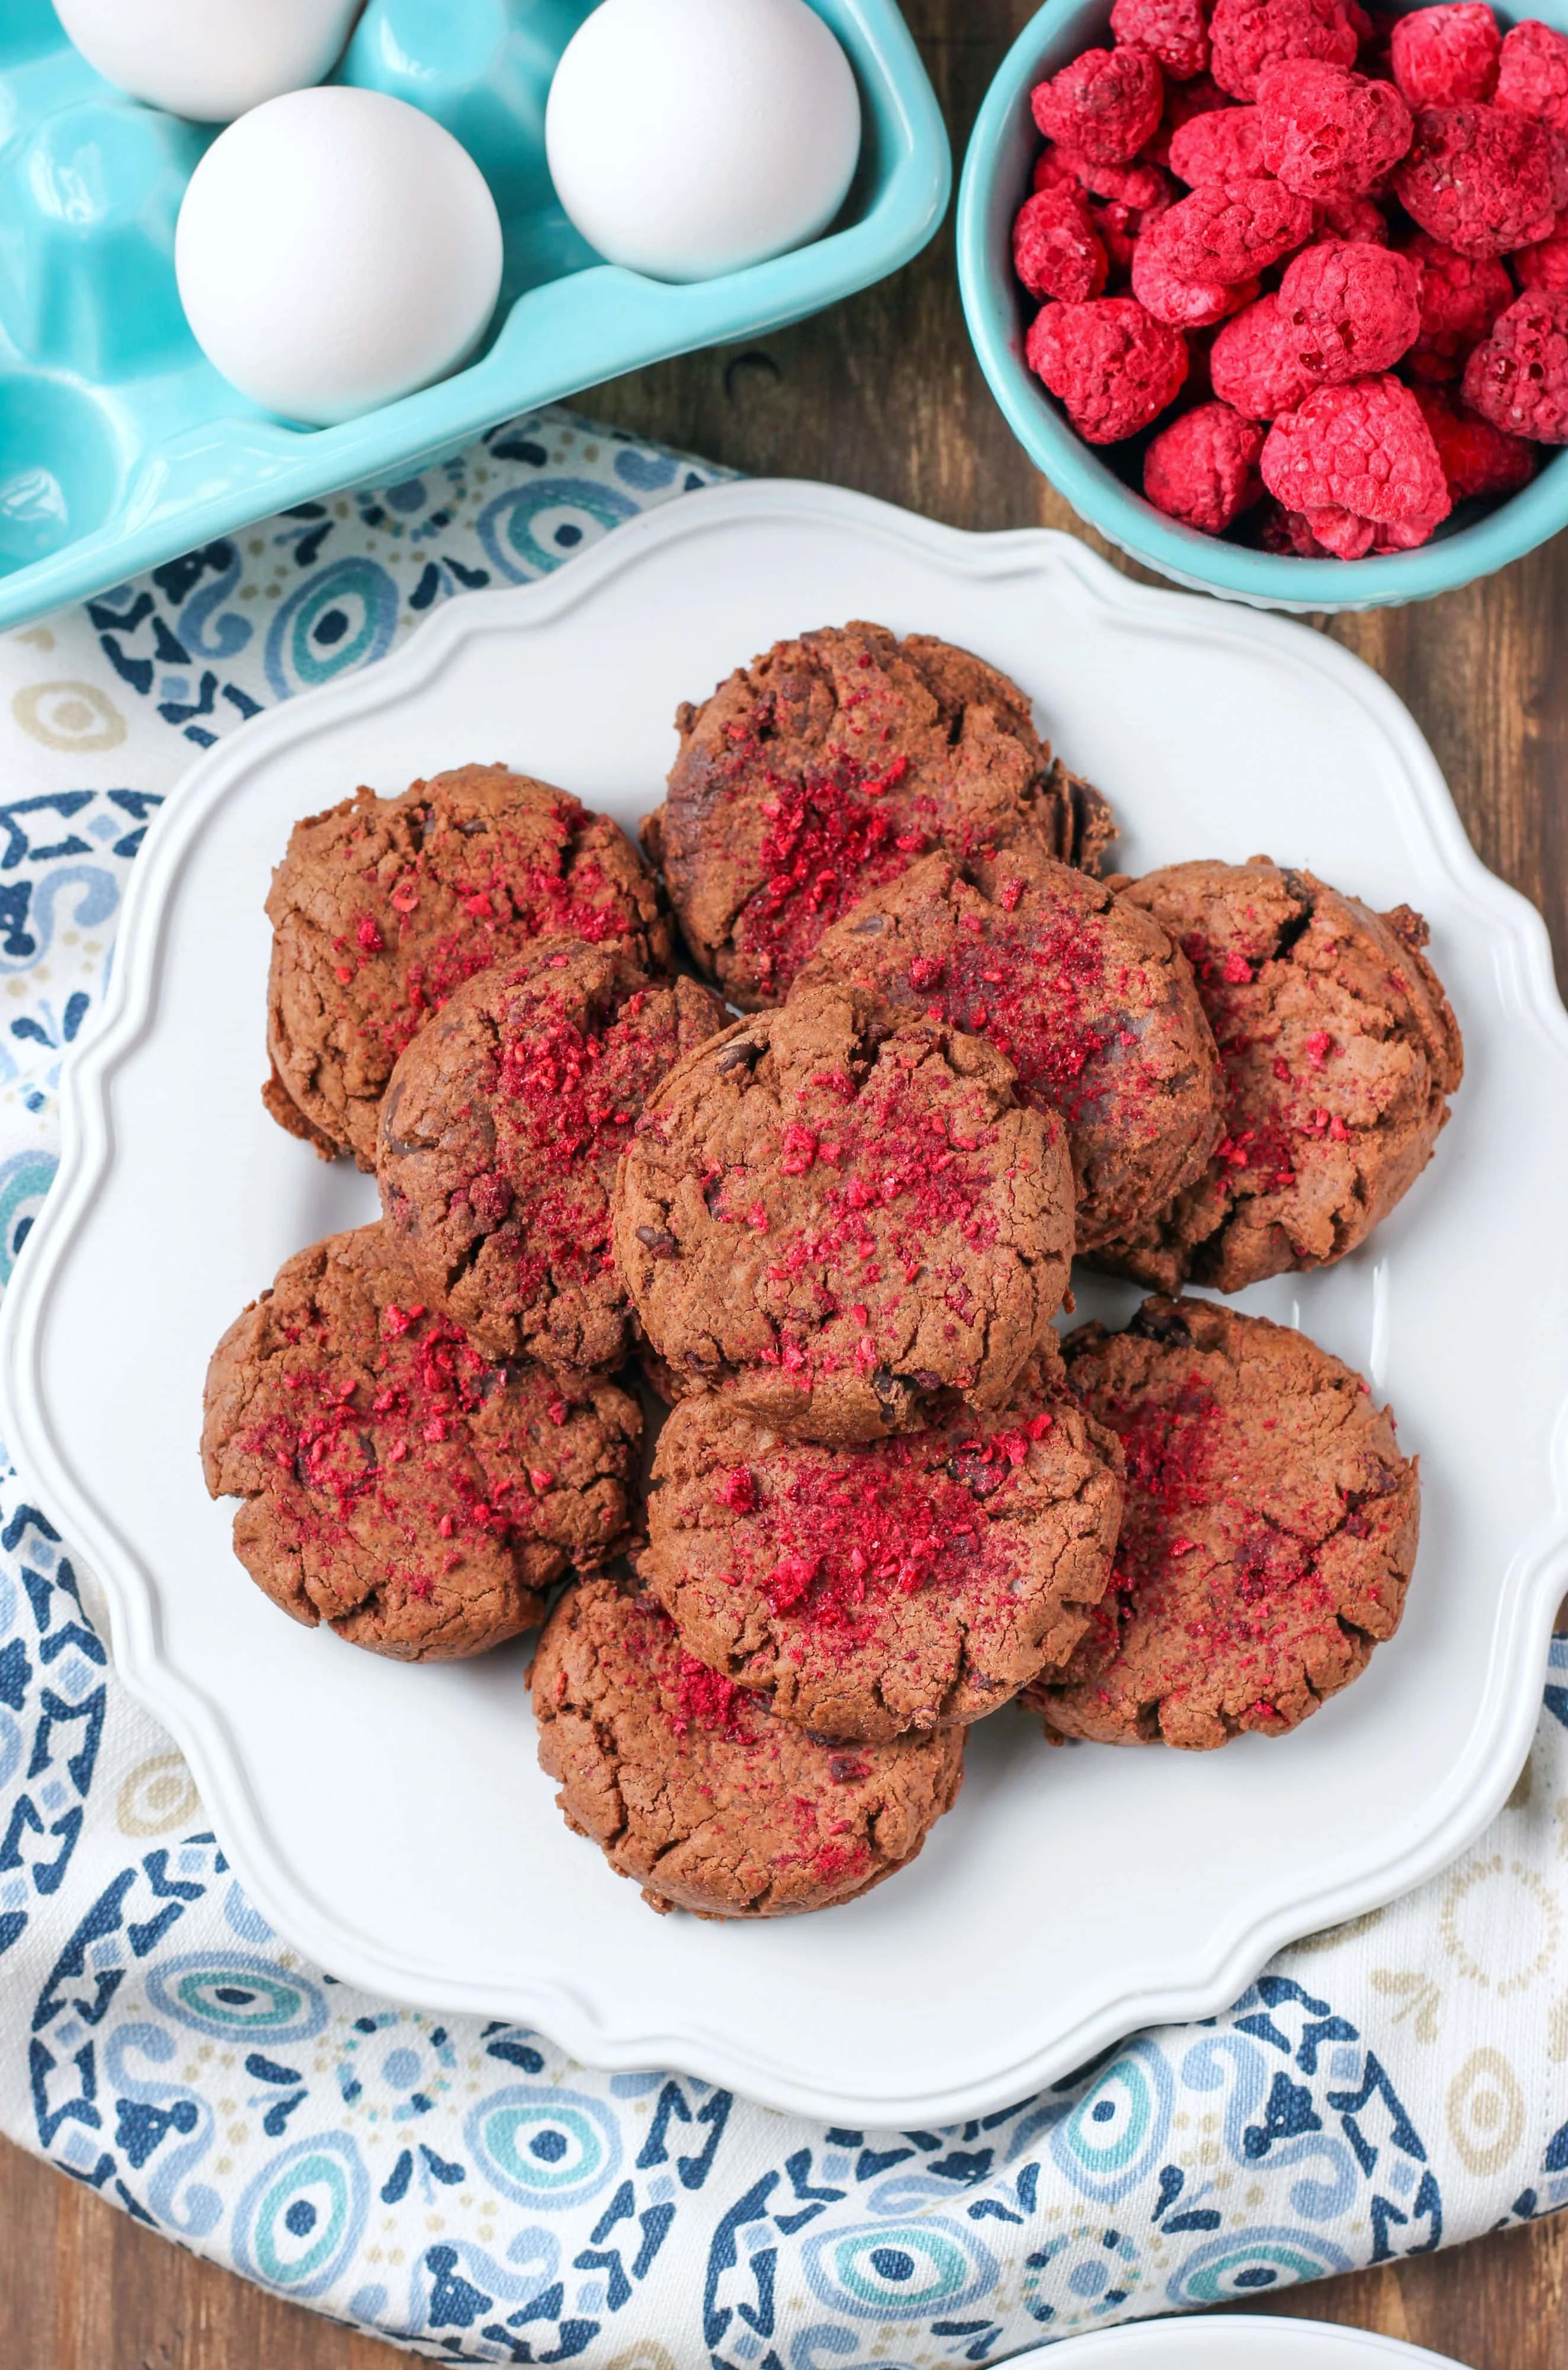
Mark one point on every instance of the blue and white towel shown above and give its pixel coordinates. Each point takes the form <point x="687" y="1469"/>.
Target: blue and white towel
<point x="464" y="2189"/>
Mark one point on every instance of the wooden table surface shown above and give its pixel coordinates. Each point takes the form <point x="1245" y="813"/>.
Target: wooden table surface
<point x="883" y="394"/>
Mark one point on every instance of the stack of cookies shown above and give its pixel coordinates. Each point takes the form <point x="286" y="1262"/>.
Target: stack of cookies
<point x="832" y="1237"/>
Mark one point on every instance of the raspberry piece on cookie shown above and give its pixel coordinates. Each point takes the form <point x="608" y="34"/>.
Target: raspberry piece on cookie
<point x="1203" y="469"/>
<point x="1327" y="133"/>
<point x="1055" y="249"/>
<point x="1174" y="31"/>
<point x="1351" y="310"/>
<point x="1483" y="179"/>
<point x="1518" y="377"/>
<point x="1447" y="55"/>
<point x="1478" y="457"/>
<point x="1461" y="295"/>
<point x="1363" y="447"/>
<point x="1532" y="78"/>
<point x="1111" y="363"/>
<point x="1247" y="37"/>
<point x="1106" y="104"/>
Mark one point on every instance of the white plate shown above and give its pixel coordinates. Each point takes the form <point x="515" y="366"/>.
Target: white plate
<point x="1248" y="2341"/>
<point x="390" y="1820"/>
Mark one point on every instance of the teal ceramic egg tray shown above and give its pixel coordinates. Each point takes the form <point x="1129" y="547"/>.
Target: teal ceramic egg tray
<point x="120" y="446"/>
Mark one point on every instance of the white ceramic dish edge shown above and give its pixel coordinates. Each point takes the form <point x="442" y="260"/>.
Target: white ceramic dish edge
<point x="1531" y="1589"/>
<point x="1253" y="2341"/>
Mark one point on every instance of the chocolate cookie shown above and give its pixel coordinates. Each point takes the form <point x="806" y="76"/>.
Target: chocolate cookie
<point x="397" y="1483"/>
<point x="823" y="769"/>
<point x="382" y="907"/>
<point x="691" y="1787"/>
<point x="1339" y="1052"/>
<point x="911" y="1584"/>
<point x="500" y="1135"/>
<point x="834" y="1218"/>
<point x="1085" y="993"/>
<point x="1268" y="1538"/>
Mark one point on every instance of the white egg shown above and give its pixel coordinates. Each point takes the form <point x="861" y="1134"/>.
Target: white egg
<point x="209" y="60"/>
<point x="691" y="138"/>
<point x="335" y="250"/>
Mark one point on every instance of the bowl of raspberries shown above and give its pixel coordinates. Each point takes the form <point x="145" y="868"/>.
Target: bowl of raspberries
<point x="1275" y="291"/>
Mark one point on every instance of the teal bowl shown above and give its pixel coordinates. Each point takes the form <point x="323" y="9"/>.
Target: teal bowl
<point x="121" y="447"/>
<point x="995" y="183"/>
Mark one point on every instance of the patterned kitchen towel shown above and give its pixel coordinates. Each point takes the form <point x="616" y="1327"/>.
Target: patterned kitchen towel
<point x="463" y="2189"/>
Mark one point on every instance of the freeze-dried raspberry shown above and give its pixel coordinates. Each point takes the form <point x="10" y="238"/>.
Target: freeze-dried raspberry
<point x="1203" y="469"/>
<point x="1254" y="364"/>
<point x="1247" y="37"/>
<point x="1349" y="310"/>
<point x="1341" y="533"/>
<point x="1356" y="219"/>
<point x="1406" y="535"/>
<point x="1289" y="533"/>
<point x="1361" y="447"/>
<point x="1106" y="104"/>
<point x="1118" y="229"/>
<point x="1228" y="231"/>
<point x="1533" y="76"/>
<point x="1183" y="304"/>
<point x="1055" y="251"/>
<point x="1184" y="101"/>
<point x="1461" y="295"/>
<point x="1174" y="31"/>
<point x="1223" y="147"/>
<point x="1113" y="366"/>
<point x="1327" y="133"/>
<point x="1545" y="265"/>
<point x="1445" y="56"/>
<point x="1518" y="378"/>
<point x="1141" y="186"/>
<point x="1478" y="457"/>
<point x="1482" y="179"/>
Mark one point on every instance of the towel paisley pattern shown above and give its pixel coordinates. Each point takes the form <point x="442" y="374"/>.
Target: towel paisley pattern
<point x="463" y="2189"/>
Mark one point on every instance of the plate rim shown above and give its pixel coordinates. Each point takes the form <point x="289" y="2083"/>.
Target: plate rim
<point x="1210" y="1979"/>
<point x="1239" y="2331"/>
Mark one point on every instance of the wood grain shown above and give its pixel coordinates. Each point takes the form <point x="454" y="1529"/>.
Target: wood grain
<point x="883" y="394"/>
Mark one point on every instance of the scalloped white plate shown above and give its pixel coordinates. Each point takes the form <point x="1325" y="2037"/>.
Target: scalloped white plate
<point x="1249" y="2340"/>
<point x="390" y="1821"/>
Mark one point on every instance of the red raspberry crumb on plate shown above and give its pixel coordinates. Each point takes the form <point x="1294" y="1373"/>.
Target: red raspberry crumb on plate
<point x="1482" y="179"/>
<point x="1055" y="250"/>
<point x="1362" y="448"/>
<point x="1106" y="104"/>
<point x="1174" y="31"/>
<point x="1518" y="378"/>
<point x="1350" y="310"/>
<point x="1203" y="469"/>
<point x="1226" y="145"/>
<point x="1112" y="364"/>
<point x="1181" y="303"/>
<point x="1443" y="56"/>
<point x="1477" y="457"/>
<point x="1247" y="37"/>
<point x="1327" y="133"/>
<point x="1533" y="77"/>
<point x="1545" y="265"/>
<point x="1255" y="365"/>
<point x="1228" y="231"/>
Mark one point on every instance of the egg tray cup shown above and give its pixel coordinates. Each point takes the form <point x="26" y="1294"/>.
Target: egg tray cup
<point x="121" y="447"/>
<point x="1105" y="483"/>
